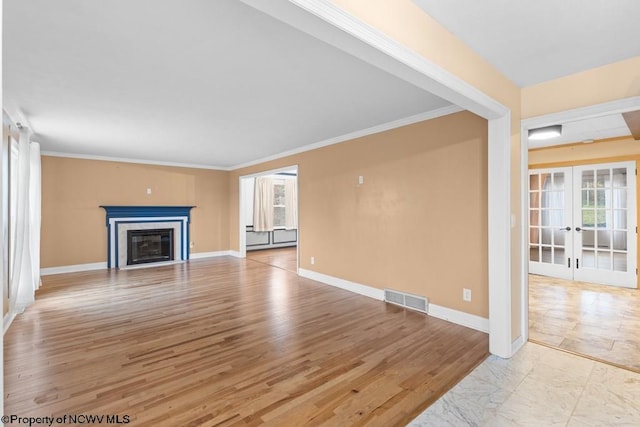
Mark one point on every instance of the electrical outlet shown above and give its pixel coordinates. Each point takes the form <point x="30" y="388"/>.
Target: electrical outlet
<point x="313" y="260"/>
<point x="148" y="190"/>
<point x="360" y="179"/>
<point x="466" y="294"/>
<point x="191" y="245"/>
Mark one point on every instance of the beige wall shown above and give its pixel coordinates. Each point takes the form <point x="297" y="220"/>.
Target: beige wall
<point x="604" y="151"/>
<point x="73" y="224"/>
<point x="405" y="22"/>
<point x="603" y="84"/>
<point x="418" y="224"/>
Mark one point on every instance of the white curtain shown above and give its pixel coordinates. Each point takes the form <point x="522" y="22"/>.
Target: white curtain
<point x="552" y="213"/>
<point x="25" y="272"/>
<point x="248" y="187"/>
<point x="263" y="204"/>
<point x="291" y="203"/>
<point x="35" y="211"/>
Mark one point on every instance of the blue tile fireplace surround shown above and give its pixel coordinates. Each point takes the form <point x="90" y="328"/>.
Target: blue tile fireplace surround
<point x="121" y="219"/>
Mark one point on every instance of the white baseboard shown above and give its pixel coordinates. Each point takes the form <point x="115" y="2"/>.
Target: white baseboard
<point x="200" y="255"/>
<point x="7" y="320"/>
<point x="459" y="317"/>
<point x="236" y="254"/>
<point x="102" y="265"/>
<point x="357" y="288"/>
<point x="454" y="316"/>
<point x="73" y="268"/>
<point x="517" y="345"/>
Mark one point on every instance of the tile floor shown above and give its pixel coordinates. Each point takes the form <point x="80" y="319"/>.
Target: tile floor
<point x="599" y="321"/>
<point x="539" y="386"/>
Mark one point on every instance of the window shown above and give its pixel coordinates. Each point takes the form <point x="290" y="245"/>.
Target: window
<point x="275" y="203"/>
<point x="279" y="209"/>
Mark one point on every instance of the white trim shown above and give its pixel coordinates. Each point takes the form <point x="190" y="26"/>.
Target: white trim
<point x="103" y="265"/>
<point x="129" y="160"/>
<point x="242" y="221"/>
<point x="73" y="268"/>
<point x="524" y="236"/>
<point x="459" y="317"/>
<point x="129" y="223"/>
<point x="499" y="232"/>
<point x="151" y="265"/>
<point x="429" y="115"/>
<point x="454" y="316"/>
<point x="272" y="246"/>
<point x="4" y="217"/>
<point x="517" y="344"/>
<point x="359" y="39"/>
<point x="7" y="320"/>
<point x="200" y="255"/>
<point x="347" y="285"/>
<point x="387" y="54"/>
<point x="612" y="107"/>
<point x="272" y="171"/>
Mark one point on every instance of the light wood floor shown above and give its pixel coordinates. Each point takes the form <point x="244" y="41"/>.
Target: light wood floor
<point x="286" y="258"/>
<point x="227" y="341"/>
<point x="602" y="322"/>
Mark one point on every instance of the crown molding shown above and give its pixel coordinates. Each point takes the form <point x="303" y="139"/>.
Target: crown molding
<point x="129" y="160"/>
<point x="429" y="115"/>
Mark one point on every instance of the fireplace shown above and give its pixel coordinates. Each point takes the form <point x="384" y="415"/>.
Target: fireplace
<point x="154" y="245"/>
<point x="123" y="219"/>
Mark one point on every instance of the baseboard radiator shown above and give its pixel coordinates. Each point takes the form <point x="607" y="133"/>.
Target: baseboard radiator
<point x="414" y="302"/>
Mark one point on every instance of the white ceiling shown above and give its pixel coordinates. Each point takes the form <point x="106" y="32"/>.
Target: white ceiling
<point x="532" y="41"/>
<point x="580" y="130"/>
<point x="197" y="82"/>
<point x="220" y="84"/>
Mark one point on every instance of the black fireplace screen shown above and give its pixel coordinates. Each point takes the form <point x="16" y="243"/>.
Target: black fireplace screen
<point x="149" y="245"/>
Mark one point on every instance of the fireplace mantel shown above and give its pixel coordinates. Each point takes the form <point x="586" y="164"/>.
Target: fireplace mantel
<point x="121" y="218"/>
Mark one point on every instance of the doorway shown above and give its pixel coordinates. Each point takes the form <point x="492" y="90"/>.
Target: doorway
<point x="576" y="216"/>
<point x="582" y="223"/>
<point x="269" y="218"/>
<point x="284" y="258"/>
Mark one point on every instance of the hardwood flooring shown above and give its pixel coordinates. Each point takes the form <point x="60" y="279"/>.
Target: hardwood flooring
<point x="285" y="258"/>
<point x="598" y="321"/>
<point x="227" y="341"/>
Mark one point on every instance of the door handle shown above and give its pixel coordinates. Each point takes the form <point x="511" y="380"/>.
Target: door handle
<point x="566" y="228"/>
<point x="578" y="229"/>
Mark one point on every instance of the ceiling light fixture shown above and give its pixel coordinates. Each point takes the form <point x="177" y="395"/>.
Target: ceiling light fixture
<point x="546" y="132"/>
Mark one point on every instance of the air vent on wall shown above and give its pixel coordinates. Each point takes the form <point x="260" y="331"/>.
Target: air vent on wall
<point x="404" y="299"/>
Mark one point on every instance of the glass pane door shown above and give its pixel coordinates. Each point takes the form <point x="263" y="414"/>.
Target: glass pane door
<point x="605" y="218"/>
<point x="550" y="239"/>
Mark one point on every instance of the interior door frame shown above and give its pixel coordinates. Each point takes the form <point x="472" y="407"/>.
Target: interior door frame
<point x="618" y="106"/>
<point x="242" y="230"/>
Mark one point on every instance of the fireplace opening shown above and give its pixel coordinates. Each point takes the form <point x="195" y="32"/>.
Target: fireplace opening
<point x="149" y="246"/>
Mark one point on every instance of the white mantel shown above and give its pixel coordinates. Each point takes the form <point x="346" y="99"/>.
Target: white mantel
<point x="120" y="219"/>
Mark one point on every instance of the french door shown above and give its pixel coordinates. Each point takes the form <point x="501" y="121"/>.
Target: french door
<point x="582" y="223"/>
